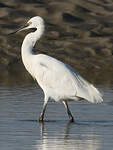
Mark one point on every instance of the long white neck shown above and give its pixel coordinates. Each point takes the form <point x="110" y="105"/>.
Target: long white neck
<point x="27" y="46"/>
<point x="30" y="40"/>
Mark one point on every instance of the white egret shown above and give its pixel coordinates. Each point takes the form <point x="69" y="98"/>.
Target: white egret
<point x="58" y="80"/>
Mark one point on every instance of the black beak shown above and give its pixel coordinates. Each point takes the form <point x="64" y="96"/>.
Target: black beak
<point x="20" y="29"/>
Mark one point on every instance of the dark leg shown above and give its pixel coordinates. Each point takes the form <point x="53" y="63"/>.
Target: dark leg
<point x="68" y="111"/>
<point x="41" y="118"/>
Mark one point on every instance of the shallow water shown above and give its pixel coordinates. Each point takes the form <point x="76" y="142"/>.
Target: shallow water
<point x="20" y="106"/>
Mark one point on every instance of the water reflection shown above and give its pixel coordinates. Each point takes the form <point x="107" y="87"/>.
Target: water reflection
<point x="68" y="136"/>
<point x="21" y="105"/>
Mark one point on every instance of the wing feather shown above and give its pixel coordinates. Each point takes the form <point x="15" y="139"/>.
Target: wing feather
<point x="65" y="81"/>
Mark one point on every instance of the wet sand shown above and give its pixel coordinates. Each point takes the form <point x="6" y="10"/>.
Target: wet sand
<point x="79" y="33"/>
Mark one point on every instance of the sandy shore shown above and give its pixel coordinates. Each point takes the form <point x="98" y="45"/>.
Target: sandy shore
<point x="79" y="33"/>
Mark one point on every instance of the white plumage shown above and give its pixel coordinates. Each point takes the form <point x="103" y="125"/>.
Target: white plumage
<point x="58" y="80"/>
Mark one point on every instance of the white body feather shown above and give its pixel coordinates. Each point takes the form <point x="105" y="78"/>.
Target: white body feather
<point x="58" y="80"/>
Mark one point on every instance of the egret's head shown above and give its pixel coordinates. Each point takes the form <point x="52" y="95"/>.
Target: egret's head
<point x="34" y="24"/>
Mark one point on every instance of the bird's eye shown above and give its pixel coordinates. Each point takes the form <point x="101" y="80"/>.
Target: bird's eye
<point x="29" y="23"/>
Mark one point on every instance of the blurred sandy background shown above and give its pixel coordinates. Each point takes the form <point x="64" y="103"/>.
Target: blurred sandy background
<point x="78" y="32"/>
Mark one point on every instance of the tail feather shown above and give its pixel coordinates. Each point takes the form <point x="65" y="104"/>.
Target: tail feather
<point x="96" y="96"/>
<point x="84" y="89"/>
<point x="87" y="91"/>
